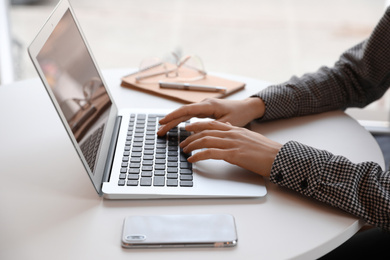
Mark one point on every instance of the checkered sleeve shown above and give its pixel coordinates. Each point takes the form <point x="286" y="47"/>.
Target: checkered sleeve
<point x="361" y="189"/>
<point x="359" y="77"/>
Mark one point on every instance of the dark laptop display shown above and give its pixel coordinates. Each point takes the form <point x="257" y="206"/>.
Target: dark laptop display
<point x="76" y="84"/>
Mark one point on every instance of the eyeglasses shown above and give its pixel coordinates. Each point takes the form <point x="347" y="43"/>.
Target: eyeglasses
<point x="71" y="107"/>
<point x="90" y="93"/>
<point x="174" y="69"/>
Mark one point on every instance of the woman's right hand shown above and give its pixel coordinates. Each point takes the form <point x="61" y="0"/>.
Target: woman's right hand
<point x="236" y="112"/>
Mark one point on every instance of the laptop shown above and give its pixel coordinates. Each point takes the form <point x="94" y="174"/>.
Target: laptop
<point x="119" y="149"/>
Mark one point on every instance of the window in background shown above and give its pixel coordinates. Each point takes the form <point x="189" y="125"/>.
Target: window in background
<point x="265" y="39"/>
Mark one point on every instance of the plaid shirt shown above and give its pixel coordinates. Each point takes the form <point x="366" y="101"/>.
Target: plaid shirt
<point x="360" y="76"/>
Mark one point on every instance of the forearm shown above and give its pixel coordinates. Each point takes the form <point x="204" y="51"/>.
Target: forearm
<point x="360" y="189"/>
<point x="360" y="76"/>
<point x="312" y="93"/>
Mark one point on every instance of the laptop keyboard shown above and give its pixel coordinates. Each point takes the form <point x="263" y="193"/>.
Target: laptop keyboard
<point x="91" y="146"/>
<point x="150" y="160"/>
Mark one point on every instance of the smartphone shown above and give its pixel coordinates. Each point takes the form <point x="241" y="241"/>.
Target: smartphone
<point x="207" y="230"/>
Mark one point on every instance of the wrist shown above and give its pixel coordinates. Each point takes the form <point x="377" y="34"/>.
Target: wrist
<point x="256" y="106"/>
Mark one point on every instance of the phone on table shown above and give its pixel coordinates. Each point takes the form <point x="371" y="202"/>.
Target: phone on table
<point x="206" y="230"/>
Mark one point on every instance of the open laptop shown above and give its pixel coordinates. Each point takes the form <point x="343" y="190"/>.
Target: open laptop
<point x="120" y="150"/>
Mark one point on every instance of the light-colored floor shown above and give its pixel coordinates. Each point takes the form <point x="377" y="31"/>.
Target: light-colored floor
<point x="265" y="39"/>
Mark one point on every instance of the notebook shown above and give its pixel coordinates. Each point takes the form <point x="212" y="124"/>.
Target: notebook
<point x="188" y="96"/>
<point x="119" y="149"/>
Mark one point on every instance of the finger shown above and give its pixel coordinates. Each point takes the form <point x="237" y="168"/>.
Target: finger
<point x="168" y="126"/>
<point x="165" y="128"/>
<point x="208" y="142"/>
<point x="202" y="110"/>
<point x="184" y="113"/>
<point x="212" y="153"/>
<point x="202" y="134"/>
<point x="209" y="125"/>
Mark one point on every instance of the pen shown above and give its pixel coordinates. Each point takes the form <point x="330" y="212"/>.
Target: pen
<point x="188" y="86"/>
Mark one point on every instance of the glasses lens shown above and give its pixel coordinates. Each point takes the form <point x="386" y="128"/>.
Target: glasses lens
<point x="91" y="87"/>
<point x="150" y="63"/>
<point x="194" y="63"/>
<point x="191" y="69"/>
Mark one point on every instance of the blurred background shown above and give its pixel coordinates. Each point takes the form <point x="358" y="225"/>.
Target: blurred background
<point x="269" y="40"/>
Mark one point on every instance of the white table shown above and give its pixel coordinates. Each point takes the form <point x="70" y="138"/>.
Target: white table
<point x="50" y="210"/>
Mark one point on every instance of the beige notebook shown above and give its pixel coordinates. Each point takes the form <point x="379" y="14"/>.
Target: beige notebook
<point x="152" y="86"/>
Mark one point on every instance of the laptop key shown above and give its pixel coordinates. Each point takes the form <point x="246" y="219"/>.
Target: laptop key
<point x="172" y="164"/>
<point x="172" y="183"/>
<point x="148" y="152"/>
<point x="147" y="168"/>
<point x="173" y="153"/>
<point x="186" y="172"/>
<point x="133" y="170"/>
<point x="133" y="177"/>
<point x="146" y="181"/>
<point x="172" y="175"/>
<point x="186" y="177"/>
<point x="136" y="149"/>
<point x="159" y="173"/>
<point x="136" y="154"/>
<point x="146" y="174"/>
<point x="148" y="157"/>
<point x="186" y="184"/>
<point x="172" y="170"/>
<point x="160" y="161"/>
<point x="138" y="144"/>
<point x="172" y="159"/>
<point x="185" y="165"/>
<point x="149" y="142"/>
<point x="159" y="167"/>
<point x="132" y="183"/>
<point x="160" y="156"/>
<point x="135" y="165"/>
<point x="147" y="162"/>
<point x="135" y="159"/>
<point x="184" y="157"/>
<point x="172" y="148"/>
<point x="159" y="181"/>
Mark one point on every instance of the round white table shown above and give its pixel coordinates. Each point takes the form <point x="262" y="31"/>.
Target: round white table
<point x="50" y="210"/>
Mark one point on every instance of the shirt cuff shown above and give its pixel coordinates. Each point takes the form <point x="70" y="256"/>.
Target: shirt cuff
<point x="298" y="167"/>
<point x="273" y="97"/>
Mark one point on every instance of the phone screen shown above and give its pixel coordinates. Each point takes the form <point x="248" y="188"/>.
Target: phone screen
<point x="208" y="230"/>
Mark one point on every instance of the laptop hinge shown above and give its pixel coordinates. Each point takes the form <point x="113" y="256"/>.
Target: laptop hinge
<point x="111" y="150"/>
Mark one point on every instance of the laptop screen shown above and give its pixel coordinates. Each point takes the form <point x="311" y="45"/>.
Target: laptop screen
<point x="73" y="77"/>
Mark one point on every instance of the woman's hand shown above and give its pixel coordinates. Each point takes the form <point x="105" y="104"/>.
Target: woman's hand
<point x="236" y="145"/>
<point x="237" y="112"/>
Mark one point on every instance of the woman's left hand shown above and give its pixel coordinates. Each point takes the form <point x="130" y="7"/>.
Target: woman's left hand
<point x="236" y="145"/>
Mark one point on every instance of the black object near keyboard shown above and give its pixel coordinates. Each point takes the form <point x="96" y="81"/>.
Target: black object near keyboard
<point x="150" y="160"/>
<point x="90" y="147"/>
